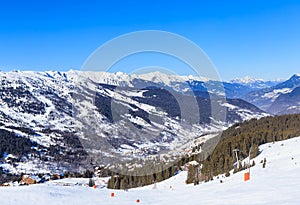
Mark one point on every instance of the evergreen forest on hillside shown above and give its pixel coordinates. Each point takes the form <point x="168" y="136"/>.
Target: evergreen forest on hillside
<point x="241" y="136"/>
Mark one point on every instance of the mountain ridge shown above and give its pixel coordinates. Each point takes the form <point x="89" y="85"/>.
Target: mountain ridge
<point x="264" y="98"/>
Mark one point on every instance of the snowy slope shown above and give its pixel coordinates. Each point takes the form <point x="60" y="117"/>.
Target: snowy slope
<point x="278" y="183"/>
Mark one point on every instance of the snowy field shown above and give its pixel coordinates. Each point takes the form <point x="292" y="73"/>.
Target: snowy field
<point x="278" y="183"/>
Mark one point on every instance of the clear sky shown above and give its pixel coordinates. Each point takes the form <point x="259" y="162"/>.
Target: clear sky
<point x="249" y="37"/>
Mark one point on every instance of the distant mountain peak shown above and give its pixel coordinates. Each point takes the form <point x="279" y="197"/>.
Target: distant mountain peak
<point x="295" y="76"/>
<point x="247" y="80"/>
<point x="159" y="76"/>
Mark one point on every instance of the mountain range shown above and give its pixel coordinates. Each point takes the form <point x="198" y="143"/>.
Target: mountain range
<point x="281" y="98"/>
<point x="55" y="121"/>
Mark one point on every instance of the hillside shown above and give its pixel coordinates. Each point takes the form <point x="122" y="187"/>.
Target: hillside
<point x="288" y="103"/>
<point x="243" y="136"/>
<point x="276" y="184"/>
<point x="216" y="154"/>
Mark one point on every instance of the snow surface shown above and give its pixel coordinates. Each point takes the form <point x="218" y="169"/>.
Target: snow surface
<point x="278" y="183"/>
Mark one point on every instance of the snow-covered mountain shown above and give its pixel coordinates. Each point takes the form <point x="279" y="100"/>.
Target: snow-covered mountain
<point x="268" y="99"/>
<point x="287" y="103"/>
<point x="237" y="88"/>
<point x="61" y="117"/>
<point x="255" y="83"/>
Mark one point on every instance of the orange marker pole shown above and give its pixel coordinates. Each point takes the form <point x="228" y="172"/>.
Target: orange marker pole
<point x="246" y="176"/>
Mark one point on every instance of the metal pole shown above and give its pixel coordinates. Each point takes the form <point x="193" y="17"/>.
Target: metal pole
<point x="237" y="158"/>
<point x="249" y="159"/>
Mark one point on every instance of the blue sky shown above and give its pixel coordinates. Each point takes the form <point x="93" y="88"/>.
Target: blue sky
<point x="256" y="38"/>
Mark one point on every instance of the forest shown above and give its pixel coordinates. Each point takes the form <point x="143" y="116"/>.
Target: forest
<point x="241" y="136"/>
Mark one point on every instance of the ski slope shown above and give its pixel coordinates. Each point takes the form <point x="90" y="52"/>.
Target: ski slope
<point x="277" y="183"/>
